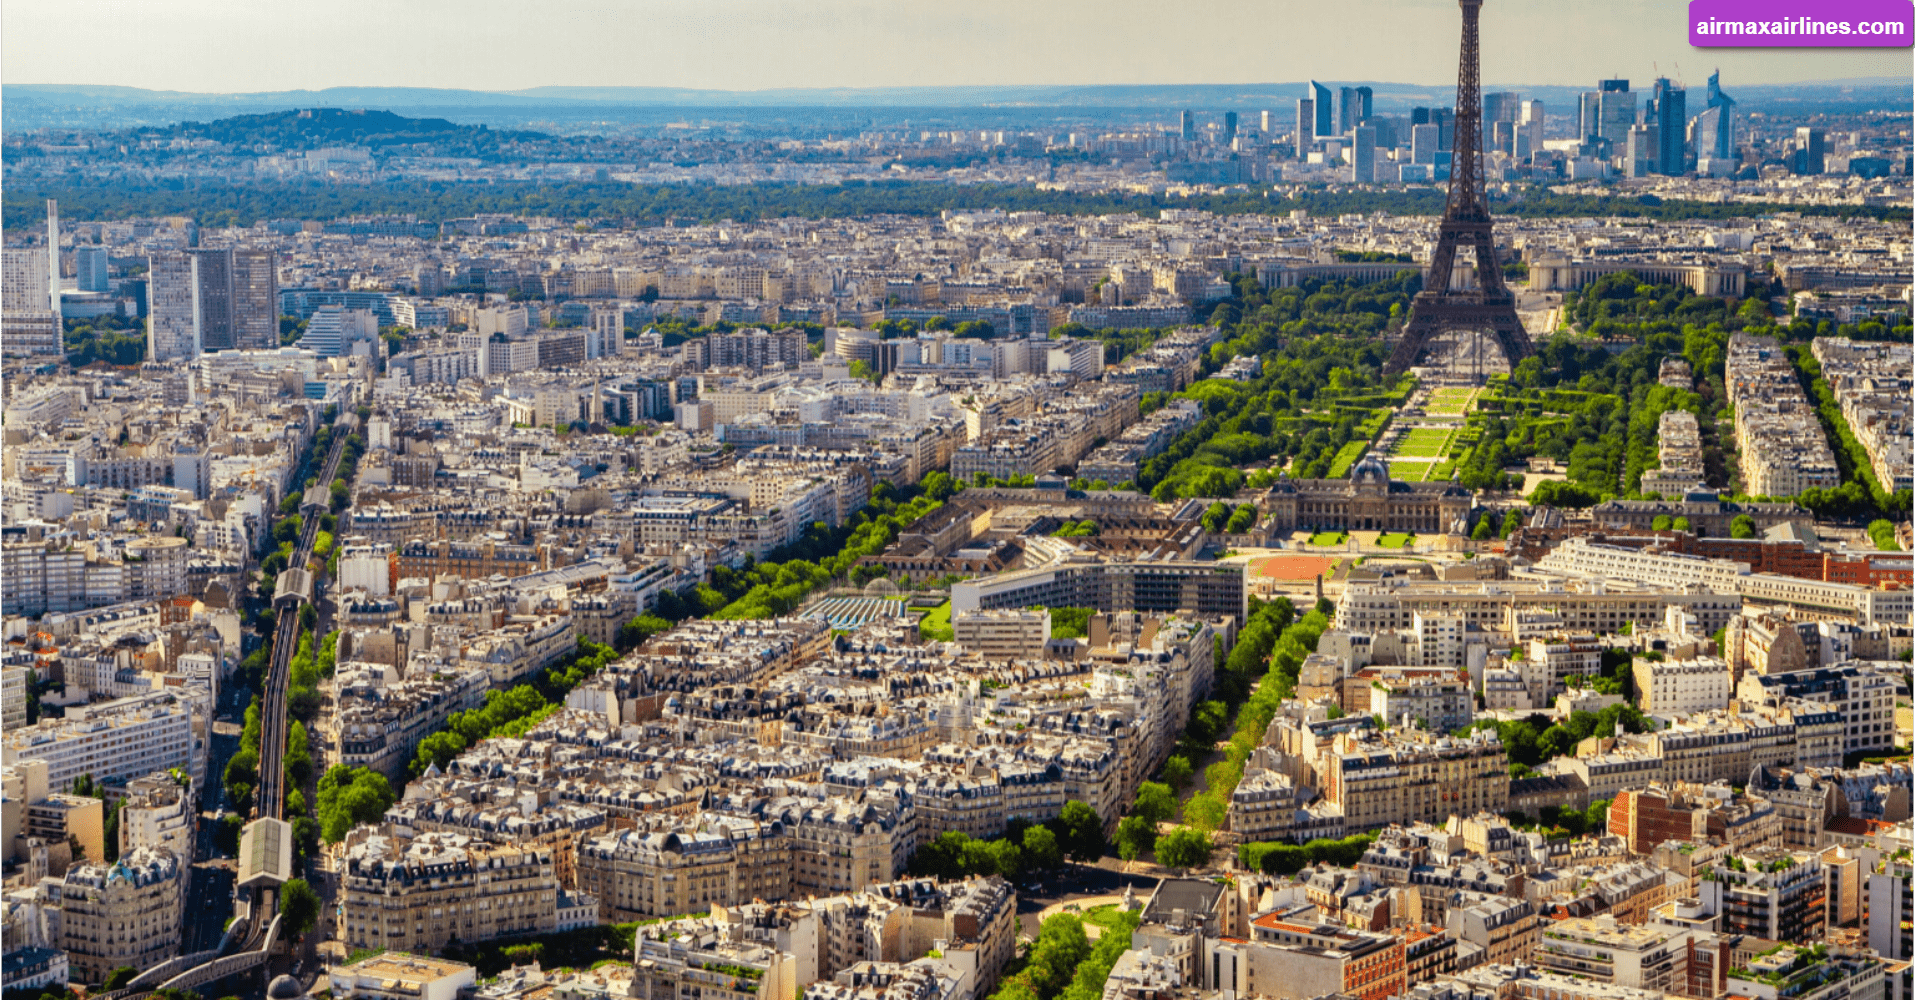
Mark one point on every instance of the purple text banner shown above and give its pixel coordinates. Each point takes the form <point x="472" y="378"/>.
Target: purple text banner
<point x="1802" y="23"/>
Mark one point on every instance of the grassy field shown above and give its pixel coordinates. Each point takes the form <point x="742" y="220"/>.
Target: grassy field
<point x="937" y="624"/>
<point x="1423" y="442"/>
<point x="1347" y="457"/>
<point x="1449" y="402"/>
<point x="1328" y="538"/>
<point x="1395" y="540"/>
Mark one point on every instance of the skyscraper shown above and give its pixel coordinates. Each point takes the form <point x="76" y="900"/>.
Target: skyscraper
<point x="1325" y="123"/>
<point x="1189" y="126"/>
<point x="1424" y="142"/>
<point x="1672" y="120"/>
<point x="1229" y="127"/>
<point x="93" y="268"/>
<point x="213" y="284"/>
<point x="25" y="277"/>
<point x="1306" y="126"/>
<point x="1364" y="96"/>
<point x="1267" y="125"/>
<point x="1640" y="155"/>
<point x="235" y="301"/>
<point x="1532" y="131"/>
<point x="172" y="314"/>
<point x="1363" y="154"/>
<point x="53" y="256"/>
<point x="1419" y="116"/>
<point x="1445" y="121"/>
<point x="1715" y="126"/>
<point x="255" y="299"/>
<point x="1501" y="106"/>
<point x="1810" y="151"/>
<point x="1615" y="112"/>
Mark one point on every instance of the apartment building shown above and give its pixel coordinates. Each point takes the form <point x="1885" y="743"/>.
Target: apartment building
<point x="1872" y="383"/>
<point x="1384" y="779"/>
<point x="1640" y="956"/>
<point x="158" y="813"/>
<point x="1505" y="929"/>
<point x="113" y="741"/>
<point x="1805" y="973"/>
<point x="673" y="965"/>
<point x="123" y="913"/>
<point x="416" y="894"/>
<point x="1770" y="893"/>
<point x="380" y="724"/>
<point x="1292" y="957"/>
<point x="1161" y="587"/>
<point x="1779" y="440"/>
<point x="1489" y="606"/>
<point x="682" y="867"/>
<point x="395" y="975"/>
<point x="1679" y="687"/>
<point x="1863" y="693"/>
<point x="1004" y="634"/>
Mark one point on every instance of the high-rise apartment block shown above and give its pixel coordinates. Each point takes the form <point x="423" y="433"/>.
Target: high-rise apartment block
<point x="94" y="270"/>
<point x="172" y="307"/>
<point x="211" y="300"/>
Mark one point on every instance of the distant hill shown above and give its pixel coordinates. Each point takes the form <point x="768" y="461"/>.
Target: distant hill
<point x="31" y="106"/>
<point x="314" y="127"/>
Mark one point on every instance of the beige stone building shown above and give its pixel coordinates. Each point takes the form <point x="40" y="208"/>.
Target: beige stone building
<point x="415" y="895"/>
<point x="685" y="867"/>
<point x="1381" y="780"/>
<point x="126" y="913"/>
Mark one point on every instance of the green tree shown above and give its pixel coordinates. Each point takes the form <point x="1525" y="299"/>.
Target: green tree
<point x="1177" y="771"/>
<point x="1156" y="803"/>
<point x="1080" y="832"/>
<point x="1482" y="531"/>
<point x="1662" y="522"/>
<point x="1184" y="847"/>
<point x="119" y="977"/>
<point x="1206" y="811"/>
<point x="1134" y="837"/>
<point x="1041" y="849"/>
<point x="349" y="797"/>
<point x="1680" y="524"/>
<point x="298" y="907"/>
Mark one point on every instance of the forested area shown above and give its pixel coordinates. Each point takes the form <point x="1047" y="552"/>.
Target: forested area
<point x="243" y="203"/>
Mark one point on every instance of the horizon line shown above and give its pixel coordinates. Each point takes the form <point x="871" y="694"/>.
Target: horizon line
<point x="528" y="91"/>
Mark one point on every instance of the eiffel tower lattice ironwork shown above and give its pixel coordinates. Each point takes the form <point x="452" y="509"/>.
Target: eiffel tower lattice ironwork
<point x="1439" y="307"/>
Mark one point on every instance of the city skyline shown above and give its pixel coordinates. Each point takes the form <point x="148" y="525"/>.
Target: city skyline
<point x="853" y="44"/>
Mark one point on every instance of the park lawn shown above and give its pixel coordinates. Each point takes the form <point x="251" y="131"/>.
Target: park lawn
<point x="1412" y="470"/>
<point x="937" y="624"/>
<point x="1394" y="540"/>
<point x="1450" y="402"/>
<point x="1104" y="915"/>
<point x="1347" y="457"/>
<point x="1423" y="442"/>
<point x="1327" y="538"/>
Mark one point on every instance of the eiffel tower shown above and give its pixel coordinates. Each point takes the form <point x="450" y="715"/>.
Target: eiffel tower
<point x="1440" y="308"/>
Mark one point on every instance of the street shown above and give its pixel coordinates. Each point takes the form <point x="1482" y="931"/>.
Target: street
<point x="1074" y="882"/>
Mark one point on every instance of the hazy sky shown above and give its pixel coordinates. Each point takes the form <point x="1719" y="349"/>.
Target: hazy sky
<point x="261" y="45"/>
